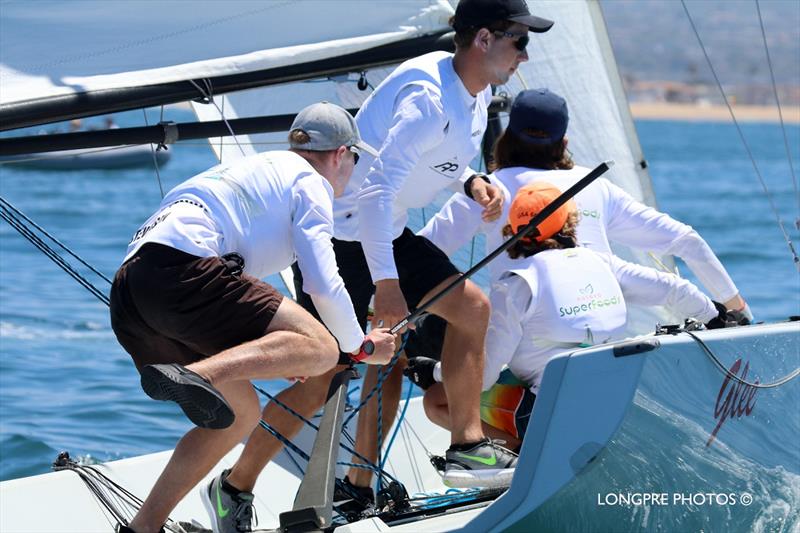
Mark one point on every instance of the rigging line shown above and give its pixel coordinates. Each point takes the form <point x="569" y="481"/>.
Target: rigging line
<point x="209" y="96"/>
<point x="153" y="153"/>
<point x="396" y="429"/>
<point x="34" y="239"/>
<point x="780" y="114"/>
<point x="777" y="383"/>
<point x="11" y="207"/>
<point x="48" y="252"/>
<point x="281" y="438"/>
<point x="795" y="258"/>
<point x="412" y="460"/>
<point x="381" y="376"/>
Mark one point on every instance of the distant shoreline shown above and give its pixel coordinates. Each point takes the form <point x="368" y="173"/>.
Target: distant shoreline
<point x="713" y="113"/>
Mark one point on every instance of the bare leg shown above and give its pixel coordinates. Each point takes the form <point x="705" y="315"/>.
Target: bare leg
<point x="305" y="398"/>
<point x="466" y="310"/>
<point x="438" y="411"/>
<point x="296" y="345"/>
<point x="367" y="429"/>
<point x="194" y="456"/>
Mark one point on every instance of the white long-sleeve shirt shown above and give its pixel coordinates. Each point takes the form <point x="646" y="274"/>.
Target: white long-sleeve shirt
<point x="523" y="328"/>
<point x="270" y="208"/>
<point x="428" y="128"/>
<point x="607" y="213"/>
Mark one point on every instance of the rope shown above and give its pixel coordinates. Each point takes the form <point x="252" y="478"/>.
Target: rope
<point x="780" y="113"/>
<point x="718" y="363"/>
<point x="795" y="258"/>
<point x="153" y="152"/>
<point x="208" y="94"/>
<point x="396" y="428"/>
<point x="10" y="214"/>
<point x="286" y="441"/>
<point x="115" y="500"/>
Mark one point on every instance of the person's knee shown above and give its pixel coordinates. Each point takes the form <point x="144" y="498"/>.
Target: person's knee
<point x="247" y="408"/>
<point x="328" y="353"/>
<point x="474" y="307"/>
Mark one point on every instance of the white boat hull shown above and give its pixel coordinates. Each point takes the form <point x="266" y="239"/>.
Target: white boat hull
<point x="602" y="425"/>
<point x="124" y="157"/>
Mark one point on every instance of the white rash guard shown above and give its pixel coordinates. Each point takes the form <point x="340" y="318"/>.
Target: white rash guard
<point x="607" y="213"/>
<point x="271" y="209"/>
<point x="558" y="300"/>
<point x="428" y="128"/>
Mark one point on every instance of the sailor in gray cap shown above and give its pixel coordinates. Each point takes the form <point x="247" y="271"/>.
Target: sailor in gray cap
<point x="189" y="306"/>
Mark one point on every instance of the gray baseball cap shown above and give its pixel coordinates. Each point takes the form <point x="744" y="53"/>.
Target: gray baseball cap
<point x="329" y="126"/>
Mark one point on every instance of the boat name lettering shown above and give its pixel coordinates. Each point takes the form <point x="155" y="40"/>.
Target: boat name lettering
<point x="739" y="397"/>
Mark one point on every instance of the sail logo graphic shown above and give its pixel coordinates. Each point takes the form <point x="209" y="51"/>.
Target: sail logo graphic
<point x="739" y="397"/>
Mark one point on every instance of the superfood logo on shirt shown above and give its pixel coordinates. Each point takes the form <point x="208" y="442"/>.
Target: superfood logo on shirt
<point x="588" y="299"/>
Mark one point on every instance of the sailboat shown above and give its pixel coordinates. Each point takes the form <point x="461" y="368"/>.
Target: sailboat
<point x="649" y="420"/>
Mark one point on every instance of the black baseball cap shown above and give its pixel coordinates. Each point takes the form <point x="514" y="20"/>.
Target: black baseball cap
<point x="481" y="13"/>
<point x="542" y="110"/>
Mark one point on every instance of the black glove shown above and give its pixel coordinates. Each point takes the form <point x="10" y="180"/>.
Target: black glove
<point x="420" y="371"/>
<point x="727" y="319"/>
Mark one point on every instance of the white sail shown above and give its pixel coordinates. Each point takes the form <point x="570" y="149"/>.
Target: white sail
<point x="52" y="48"/>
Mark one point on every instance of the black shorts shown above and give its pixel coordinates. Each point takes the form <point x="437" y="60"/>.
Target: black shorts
<point x="168" y="306"/>
<point x="421" y="266"/>
<point x="427" y="339"/>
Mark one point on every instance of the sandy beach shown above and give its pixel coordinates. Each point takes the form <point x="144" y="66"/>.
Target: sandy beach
<point x="692" y="112"/>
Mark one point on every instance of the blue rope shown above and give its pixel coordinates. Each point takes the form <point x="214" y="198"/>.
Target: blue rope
<point x="376" y="389"/>
<point x="289" y="444"/>
<point x="381" y="378"/>
<point x="397" y="427"/>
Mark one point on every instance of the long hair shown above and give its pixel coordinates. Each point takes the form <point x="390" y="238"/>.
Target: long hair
<point x="528" y="247"/>
<point x="512" y="151"/>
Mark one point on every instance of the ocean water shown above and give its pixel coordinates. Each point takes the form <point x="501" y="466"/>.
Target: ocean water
<point x="65" y="384"/>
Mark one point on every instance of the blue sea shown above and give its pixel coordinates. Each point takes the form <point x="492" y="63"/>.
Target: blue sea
<point x="65" y="384"/>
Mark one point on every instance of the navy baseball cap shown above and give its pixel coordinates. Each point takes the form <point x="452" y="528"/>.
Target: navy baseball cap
<point x="540" y="110"/>
<point x="481" y="13"/>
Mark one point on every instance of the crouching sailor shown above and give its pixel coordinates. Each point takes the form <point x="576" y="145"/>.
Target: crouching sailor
<point x="190" y="308"/>
<point x="554" y="297"/>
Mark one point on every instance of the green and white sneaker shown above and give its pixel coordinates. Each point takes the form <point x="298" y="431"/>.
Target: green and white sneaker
<point x="230" y="513"/>
<point x="486" y="464"/>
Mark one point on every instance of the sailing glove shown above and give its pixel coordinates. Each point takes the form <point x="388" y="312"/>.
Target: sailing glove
<point x="420" y="371"/>
<point x="726" y="318"/>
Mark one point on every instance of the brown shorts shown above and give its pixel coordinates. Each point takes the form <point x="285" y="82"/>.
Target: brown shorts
<point x="168" y="306"/>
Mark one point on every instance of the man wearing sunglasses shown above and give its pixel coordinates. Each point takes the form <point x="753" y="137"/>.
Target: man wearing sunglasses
<point x="428" y="119"/>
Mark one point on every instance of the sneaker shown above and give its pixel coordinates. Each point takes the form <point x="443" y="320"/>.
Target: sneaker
<point x="204" y="405"/>
<point x="230" y="513"/>
<point x="487" y="464"/>
<point x="351" y="498"/>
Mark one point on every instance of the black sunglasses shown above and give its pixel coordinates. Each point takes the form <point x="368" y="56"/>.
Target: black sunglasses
<point x="356" y="156"/>
<point x="520" y="42"/>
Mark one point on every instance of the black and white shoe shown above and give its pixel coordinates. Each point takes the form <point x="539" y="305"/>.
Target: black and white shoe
<point x="203" y="404"/>
<point x="351" y="498"/>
